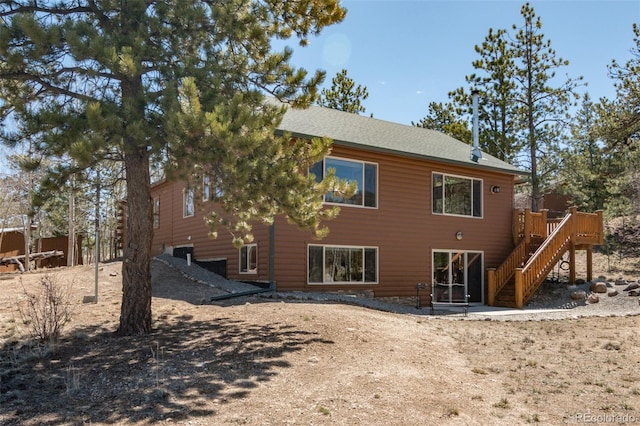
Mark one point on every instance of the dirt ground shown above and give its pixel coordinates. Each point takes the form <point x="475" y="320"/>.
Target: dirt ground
<point x="255" y="361"/>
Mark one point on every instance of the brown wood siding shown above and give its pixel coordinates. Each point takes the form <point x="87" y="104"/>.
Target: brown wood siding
<point x="403" y="228"/>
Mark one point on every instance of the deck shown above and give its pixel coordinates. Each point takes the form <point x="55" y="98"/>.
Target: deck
<point x="539" y="244"/>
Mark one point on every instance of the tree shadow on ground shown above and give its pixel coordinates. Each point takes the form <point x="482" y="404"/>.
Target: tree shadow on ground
<point x="176" y="372"/>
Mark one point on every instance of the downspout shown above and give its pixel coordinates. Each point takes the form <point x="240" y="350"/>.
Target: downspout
<point x="272" y="281"/>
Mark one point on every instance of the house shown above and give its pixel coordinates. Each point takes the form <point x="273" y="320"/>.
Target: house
<point x="425" y="212"/>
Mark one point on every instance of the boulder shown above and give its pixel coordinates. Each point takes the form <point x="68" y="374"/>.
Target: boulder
<point x="598" y="287"/>
<point x="579" y="295"/>
<point x="612" y="293"/>
<point x="593" y="298"/>
<point x="631" y="286"/>
<point x="634" y="293"/>
<point x="621" y="281"/>
<point x="580" y="281"/>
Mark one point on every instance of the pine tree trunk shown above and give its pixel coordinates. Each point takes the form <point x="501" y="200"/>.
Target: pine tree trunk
<point x="135" y="316"/>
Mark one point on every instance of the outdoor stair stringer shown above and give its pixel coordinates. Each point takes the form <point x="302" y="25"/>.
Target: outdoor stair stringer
<point x="515" y="281"/>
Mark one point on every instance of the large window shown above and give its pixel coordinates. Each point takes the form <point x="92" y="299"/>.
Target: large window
<point x="342" y="265"/>
<point x="365" y="175"/>
<point x="249" y="259"/>
<point x="188" y="205"/>
<point x="456" y="195"/>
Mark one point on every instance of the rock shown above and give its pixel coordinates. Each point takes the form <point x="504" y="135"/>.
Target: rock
<point x="621" y="281"/>
<point x="593" y="298"/>
<point x="579" y="295"/>
<point x="113" y="274"/>
<point x="634" y="293"/>
<point x="601" y="278"/>
<point x="580" y="281"/>
<point x="598" y="287"/>
<point x="612" y="293"/>
<point x="631" y="286"/>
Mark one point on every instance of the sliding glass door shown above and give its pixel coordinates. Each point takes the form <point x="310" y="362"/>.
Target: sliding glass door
<point x="457" y="276"/>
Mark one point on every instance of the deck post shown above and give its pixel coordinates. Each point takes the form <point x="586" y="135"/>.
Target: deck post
<point x="517" y="221"/>
<point x="600" y="227"/>
<point x="491" y="286"/>
<point x="572" y="264"/>
<point x="527" y="225"/>
<point x="519" y="290"/>
<point x="544" y="223"/>
<point x="590" y="263"/>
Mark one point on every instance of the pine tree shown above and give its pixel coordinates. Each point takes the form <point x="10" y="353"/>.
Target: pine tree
<point x="586" y="167"/>
<point x="495" y="86"/>
<point x="171" y="80"/>
<point x="445" y="119"/>
<point x="619" y="127"/>
<point x="344" y="95"/>
<point x="541" y="108"/>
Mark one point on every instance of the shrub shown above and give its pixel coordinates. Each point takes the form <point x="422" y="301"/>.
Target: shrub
<point x="47" y="309"/>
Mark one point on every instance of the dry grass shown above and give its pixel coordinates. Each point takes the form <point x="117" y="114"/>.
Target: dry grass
<point x="259" y="362"/>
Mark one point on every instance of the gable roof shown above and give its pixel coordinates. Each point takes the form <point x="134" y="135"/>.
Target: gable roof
<point x="353" y="130"/>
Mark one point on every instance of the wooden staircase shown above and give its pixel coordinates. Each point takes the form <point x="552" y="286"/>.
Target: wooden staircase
<point x="540" y="244"/>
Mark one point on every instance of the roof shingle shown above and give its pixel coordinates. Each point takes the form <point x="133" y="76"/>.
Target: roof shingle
<point x="368" y="133"/>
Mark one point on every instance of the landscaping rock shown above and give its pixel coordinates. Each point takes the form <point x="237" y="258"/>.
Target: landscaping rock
<point x="631" y="286"/>
<point x="593" y="298"/>
<point x="580" y="281"/>
<point x="621" y="281"/>
<point x="579" y="295"/>
<point x="634" y="293"/>
<point x="612" y="293"/>
<point x="598" y="287"/>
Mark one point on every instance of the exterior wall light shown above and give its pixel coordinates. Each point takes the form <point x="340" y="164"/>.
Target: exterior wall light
<point x="495" y="189"/>
<point x="459" y="235"/>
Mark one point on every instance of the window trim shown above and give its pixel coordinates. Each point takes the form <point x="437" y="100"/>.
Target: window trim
<point x="339" y="246"/>
<point x="185" y="212"/>
<point x="364" y="163"/>
<point x="254" y="247"/>
<point x="471" y="179"/>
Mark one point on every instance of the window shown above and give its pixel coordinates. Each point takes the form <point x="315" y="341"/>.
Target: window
<point x="365" y="175"/>
<point x="210" y="191"/>
<point x="188" y="205"/>
<point x="249" y="259"/>
<point x="206" y="188"/>
<point x="456" y="195"/>
<point x="342" y="264"/>
<point x="156" y="213"/>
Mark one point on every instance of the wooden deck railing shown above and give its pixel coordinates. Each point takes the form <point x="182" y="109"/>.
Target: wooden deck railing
<point x="528" y="224"/>
<point x="497" y="278"/>
<point x="576" y="228"/>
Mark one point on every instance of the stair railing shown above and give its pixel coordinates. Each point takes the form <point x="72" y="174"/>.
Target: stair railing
<point x="540" y="264"/>
<point x="498" y="277"/>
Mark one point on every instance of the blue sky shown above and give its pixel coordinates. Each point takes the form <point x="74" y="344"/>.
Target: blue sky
<point x="411" y="53"/>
